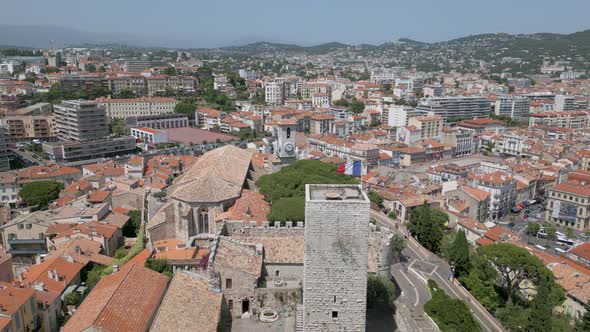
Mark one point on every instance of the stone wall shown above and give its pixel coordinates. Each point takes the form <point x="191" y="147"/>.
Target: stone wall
<point x="335" y="270"/>
<point x="380" y="254"/>
<point x="245" y="229"/>
<point x="131" y="200"/>
<point x="283" y="300"/>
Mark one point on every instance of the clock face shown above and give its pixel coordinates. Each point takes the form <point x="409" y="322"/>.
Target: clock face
<point x="289" y="147"/>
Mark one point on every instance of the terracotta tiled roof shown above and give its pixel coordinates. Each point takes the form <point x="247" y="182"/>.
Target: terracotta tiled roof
<point x="216" y="176"/>
<point x="89" y="228"/>
<point x="278" y="250"/>
<point x="123" y="301"/>
<point x="251" y="206"/>
<point x="239" y="256"/>
<point x="574" y="187"/>
<point x="583" y="251"/>
<point x="500" y="234"/>
<point x="44" y="172"/>
<point x="188" y="305"/>
<point x="98" y="196"/>
<point x="13" y="298"/>
<point x="53" y="284"/>
<point x="82" y="251"/>
<point x="478" y="194"/>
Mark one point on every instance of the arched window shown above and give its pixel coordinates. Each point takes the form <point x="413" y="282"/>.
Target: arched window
<point x="288" y="132"/>
<point x="203" y="222"/>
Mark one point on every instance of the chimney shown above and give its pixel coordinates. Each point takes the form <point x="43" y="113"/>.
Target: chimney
<point x="55" y="275"/>
<point x="50" y="274"/>
<point x="115" y="268"/>
<point x="78" y="250"/>
<point x="259" y="249"/>
<point x="39" y="286"/>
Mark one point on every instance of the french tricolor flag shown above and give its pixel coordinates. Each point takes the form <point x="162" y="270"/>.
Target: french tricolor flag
<point x="354" y="168"/>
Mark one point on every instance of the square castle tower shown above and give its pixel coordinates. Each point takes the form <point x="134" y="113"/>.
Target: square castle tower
<point x="335" y="263"/>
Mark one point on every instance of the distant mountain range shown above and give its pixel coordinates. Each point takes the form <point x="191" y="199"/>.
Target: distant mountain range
<point x="547" y="41"/>
<point x="42" y="36"/>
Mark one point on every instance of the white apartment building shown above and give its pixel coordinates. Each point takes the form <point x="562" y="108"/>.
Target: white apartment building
<point x="515" y="107"/>
<point x="510" y="145"/>
<point x="149" y="136"/>
<point x="320" y="100"/>
<point x="249" y="75"/>
<point x="460" y="107"/>
<point x="565" y="103"/>
<point x="571" y="120"/>
<point x="6" y="68"/>
<point x="274" y="93"/>
<point x="136" y="107"/>
<point x="464" y="142"/>
<point x="398" y="116"/>
<point x="502" y="189"/>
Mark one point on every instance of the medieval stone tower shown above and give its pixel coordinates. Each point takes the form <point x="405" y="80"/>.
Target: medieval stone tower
<point x="285" y="132"/>
<point x="335" y="264"/>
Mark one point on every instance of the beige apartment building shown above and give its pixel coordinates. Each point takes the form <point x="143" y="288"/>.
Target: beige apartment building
<point x="36" y="121"/>
<point x="568" y="204"/>
<point x="430" y="126"/>
<point x="136" y="107"/>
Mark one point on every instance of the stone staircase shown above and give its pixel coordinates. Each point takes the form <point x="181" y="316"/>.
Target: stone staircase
<point x="299" y="318"/>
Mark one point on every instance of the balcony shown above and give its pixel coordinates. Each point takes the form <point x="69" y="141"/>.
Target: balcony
<point x="27" y="251"/>
<point x="26" y="241"/>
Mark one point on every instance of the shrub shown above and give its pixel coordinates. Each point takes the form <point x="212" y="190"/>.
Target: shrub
<point x="449" y="314"/>
<point x="72" y="298"/>
<point x="380" y="290"/>
<point x="40" y="193"/>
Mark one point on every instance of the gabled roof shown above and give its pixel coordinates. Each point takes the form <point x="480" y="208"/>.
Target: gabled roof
<point x="217" y="176"/>
<point x="478" y="194"/>
<point x="123" y="301"/>
<point x="188" y="305"/>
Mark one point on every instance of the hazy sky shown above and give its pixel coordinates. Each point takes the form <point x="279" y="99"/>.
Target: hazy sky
<point x="200" y="23"/>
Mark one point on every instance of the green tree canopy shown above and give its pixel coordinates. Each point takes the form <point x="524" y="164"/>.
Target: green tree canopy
<point x="398" y="244"/>
<point x="357" y="107"/>
<point x="117" y="127"/>
<point x="375" y="197"/>
<point x="72" y="298"/>
<point x="533" y="228"/>
<point x="540" y="319"/>
<point x="426" y="224"/>
<point x="514" y="266"/>
<point x="341" y="103"/>
<point x="481" y="283"/>
<point x="287" y="209"/>
<point x="185" y="107"/>
<point x="449" y="314"/>
<point x="584" y="323"/>
<point x="459" y="254"/>
<point x="40" y="193"/>
<point x="380" y="290"/>
<point x="126" y="94"/>
<point x="290" y="182"/>
<point x="132" y="227"/>
<point x="170" y="71"/>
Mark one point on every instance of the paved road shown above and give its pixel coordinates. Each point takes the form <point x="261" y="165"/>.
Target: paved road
<point x="28" y="156"/>
<point x="423" y="265"/>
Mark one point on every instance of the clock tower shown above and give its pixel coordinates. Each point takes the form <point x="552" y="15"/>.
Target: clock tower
<point x="285" y="132"/>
